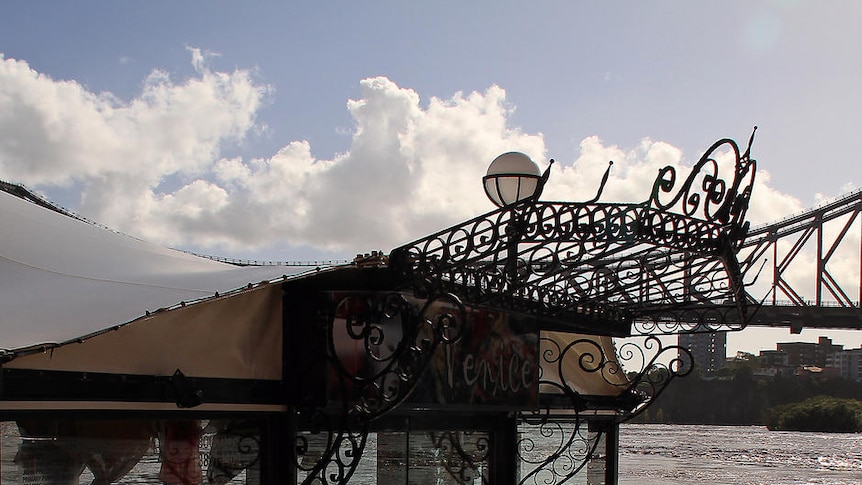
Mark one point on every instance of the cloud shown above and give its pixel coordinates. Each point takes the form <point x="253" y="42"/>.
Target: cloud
<point x="55" y="132"/>
<point x="152" y="166"/>
<point x="410" y="170"/>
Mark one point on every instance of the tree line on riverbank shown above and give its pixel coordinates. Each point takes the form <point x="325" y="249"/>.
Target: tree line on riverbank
<point x="821" y="413"/>
<point x="737" y="397"/>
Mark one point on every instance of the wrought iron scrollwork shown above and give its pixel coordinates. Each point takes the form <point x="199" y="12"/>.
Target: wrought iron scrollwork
<point x="234" y="447"/>
<point x="657" y="365"/>
<point x="554" y="448"/>
<point x="378" y="350"/>
<point x="630" y="378"/>
<point x="715" y="200"/>
<point x="603" y="266"/>
<point x="664" y="266"/>
<point x="462" y="454"/>
<point x="329" y="450"/>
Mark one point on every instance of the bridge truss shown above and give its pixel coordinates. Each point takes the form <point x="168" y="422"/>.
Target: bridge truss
<point x="808" y="267"/>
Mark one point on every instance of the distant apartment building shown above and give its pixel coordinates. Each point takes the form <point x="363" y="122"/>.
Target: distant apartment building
<point x="850" y="364"/>
<point x="823" y="358"/>
<point x="708" y="349"/>
<point x="774" y="358"/>
<point x="774" y="363"/>
<point x="820" y="354"/>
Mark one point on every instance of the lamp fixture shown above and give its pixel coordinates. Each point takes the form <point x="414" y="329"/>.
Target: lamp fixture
<point x="511" y="178"/>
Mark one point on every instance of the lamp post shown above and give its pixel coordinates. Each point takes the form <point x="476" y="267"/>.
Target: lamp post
<point x="512" y="178"/>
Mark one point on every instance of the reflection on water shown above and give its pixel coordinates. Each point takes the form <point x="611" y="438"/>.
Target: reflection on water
<point x="649" y="454"/>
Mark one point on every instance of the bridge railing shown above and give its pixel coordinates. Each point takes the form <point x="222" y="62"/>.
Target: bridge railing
<point x="811" y="303"/>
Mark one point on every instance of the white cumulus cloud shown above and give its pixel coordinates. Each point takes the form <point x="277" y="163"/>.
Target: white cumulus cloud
<point x="412" y="167"/>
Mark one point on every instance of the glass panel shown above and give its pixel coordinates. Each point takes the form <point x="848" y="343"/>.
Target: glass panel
<point x="392" y="450"/>
<point x="449" y="457"/>
<point x="395" y="457"/>
<point x="313" y="447"/>
<point x="169" y="452"/>
<point x="559" y="449"/>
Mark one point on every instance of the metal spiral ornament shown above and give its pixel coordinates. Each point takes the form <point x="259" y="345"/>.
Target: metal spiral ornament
<point x="659" y="365"/>
<point x="462" y="454"/>
<point x="234" y="447"/>
<point x="554" y="448"/>
<point x="639" y="371"/>
<point x="591" y="270"/>
<point x="604" y="267"/>
<point x="379" y="348"/>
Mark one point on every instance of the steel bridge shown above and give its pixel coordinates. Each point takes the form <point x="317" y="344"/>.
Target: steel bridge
<point x="808" y="267"/>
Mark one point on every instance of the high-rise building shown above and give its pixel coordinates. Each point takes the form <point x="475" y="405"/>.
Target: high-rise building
<point x="709" y="349"/>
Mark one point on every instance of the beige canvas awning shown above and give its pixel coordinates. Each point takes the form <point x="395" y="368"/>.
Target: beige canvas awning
<point x="62" y="278"/>
<point x="80" y="301"/>
<point x="238" y="336"/>
<point x="587" y="364"/>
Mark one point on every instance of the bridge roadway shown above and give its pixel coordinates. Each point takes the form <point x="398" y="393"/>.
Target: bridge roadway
<point x="797" y="317"/>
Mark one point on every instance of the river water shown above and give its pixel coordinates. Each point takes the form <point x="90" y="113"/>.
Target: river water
<point x="649" y="454"/>
<point x="677" y="455"/>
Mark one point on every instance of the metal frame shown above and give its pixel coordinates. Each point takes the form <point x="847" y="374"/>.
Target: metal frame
<point x="663" y="266"/>
<point x="799" y="229"/>
<point x="600" y="267"/>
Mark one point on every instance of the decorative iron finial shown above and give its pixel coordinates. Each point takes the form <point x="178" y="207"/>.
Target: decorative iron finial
<point x="750" y="142"/>
<point x="602" y="184"/>
<point x="543" y="180"/>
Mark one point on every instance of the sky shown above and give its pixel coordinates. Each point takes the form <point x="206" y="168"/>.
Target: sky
<point x="297" y="131"/>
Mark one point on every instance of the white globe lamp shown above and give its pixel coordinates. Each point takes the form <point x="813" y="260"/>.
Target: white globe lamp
<point x="511" y="178"/>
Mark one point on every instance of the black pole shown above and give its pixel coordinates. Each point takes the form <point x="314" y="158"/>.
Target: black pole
<point x="513" y="237"/>
<point x="277" y="450"/>
<point x="503" y="466"/>
<point x="612" y="453"/>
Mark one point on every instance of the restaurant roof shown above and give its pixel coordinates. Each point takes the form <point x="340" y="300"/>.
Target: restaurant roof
<point x="62" y="277"/>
